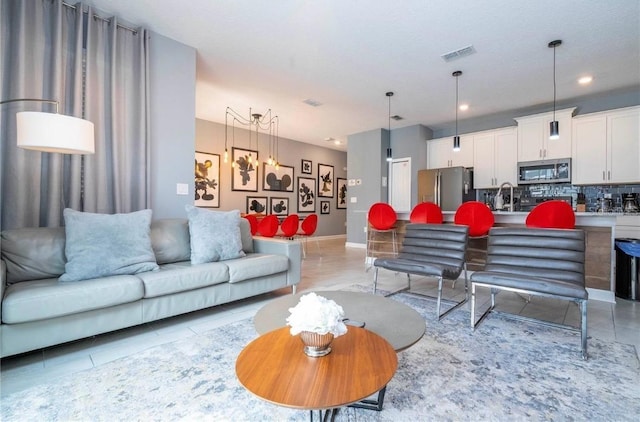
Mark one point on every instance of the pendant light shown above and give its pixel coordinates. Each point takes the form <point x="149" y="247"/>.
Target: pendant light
<point x="389" y="152"/>
<point x="554" y="126"/>
<point x="456" y="138"/>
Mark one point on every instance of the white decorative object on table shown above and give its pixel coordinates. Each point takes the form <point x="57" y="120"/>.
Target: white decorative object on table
<point x="318" y="320"/>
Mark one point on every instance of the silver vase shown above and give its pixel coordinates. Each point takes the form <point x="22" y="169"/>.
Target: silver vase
<point x="316" y="345"/>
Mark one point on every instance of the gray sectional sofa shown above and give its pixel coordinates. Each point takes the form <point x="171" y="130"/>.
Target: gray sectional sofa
<point x="40" y="311"/>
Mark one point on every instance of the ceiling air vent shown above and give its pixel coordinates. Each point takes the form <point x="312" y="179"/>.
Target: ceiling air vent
<point x="396" y="117"/>
<point x="461" y="52"/>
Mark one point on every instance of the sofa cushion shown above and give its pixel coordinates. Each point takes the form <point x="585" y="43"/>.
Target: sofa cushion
<point x="170" y="240"/>
<point x="99" y="245"/>
<point x="256" y="265"/>
<point x="215" y="235"/>
<point x="33" y="253"/>
<point x="44" y="299"/>
<point x="182" y="276"/>
<point x="245" y="235"/>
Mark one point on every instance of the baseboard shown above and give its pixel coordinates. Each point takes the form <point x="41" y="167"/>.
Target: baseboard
<point x="330" y="237"/>
<point x="601" y="295"/>
<point x="355" y="245"/>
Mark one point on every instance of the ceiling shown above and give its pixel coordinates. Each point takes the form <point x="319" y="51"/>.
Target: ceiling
<point x="347" y="54"/>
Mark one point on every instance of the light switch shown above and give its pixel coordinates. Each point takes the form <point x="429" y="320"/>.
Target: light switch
<point x="182" y="189"/>
<point x="354" y="199"/>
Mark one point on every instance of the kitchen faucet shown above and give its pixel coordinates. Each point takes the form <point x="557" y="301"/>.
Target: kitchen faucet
<point x="510" y="193"/>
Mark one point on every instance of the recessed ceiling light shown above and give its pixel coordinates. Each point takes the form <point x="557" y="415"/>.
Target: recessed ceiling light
<point x="337" y="142"/>
<point x="585" y="80"/>
<point x="312" y="102"/>
<point x="464" y="107"/>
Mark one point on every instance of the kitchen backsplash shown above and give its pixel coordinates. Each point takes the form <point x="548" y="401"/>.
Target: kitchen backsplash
<point x="591" y="193"/>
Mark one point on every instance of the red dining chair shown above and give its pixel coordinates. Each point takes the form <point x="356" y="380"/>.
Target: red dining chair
<point x="426" y="212"/>
<point x="253" y="223"/>
<point x="268" y="226"/>
<point x="553" y="214"/>
<point x="307" y="229"/>
<point x="289" y="227"/>
<point x="382" y="219"/>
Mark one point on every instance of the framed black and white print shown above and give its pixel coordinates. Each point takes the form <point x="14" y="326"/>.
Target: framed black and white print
<point x="256" y="205"/>
<point x="244" y="173"/>
<point x="325" y="207"/>
<point x="306" y="194"/>
<point x="325" y="181"/>
<point x="306" y="167"/>
<point x="207" y="180"/>
<point x="280" y="179"/>
<point x="341" y="189"/>
<point x="279" y="206"/>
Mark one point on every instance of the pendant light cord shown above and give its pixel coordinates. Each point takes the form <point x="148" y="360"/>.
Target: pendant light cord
<point x="554" y="83"/>
<point x="456" y="105"/>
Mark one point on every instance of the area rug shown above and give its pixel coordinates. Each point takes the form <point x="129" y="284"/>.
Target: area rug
<point x="505" y="370"/>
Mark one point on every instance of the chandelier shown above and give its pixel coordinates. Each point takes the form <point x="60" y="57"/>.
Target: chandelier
<point x="261" y="122"/>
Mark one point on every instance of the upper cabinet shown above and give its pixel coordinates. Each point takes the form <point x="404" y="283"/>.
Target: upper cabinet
<point x="606" y="147"/>
<point x="533" y="136"/>
<point x="495" y="158"/>
<point x="440" y="153"/>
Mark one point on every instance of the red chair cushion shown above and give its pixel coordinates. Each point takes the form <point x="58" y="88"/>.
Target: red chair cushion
<point x="426" y="212"/>
<point x="289" y="226"/>
<point x="309" y="225"/>
<point x="268" y="226"/>
<point x="382" y="216"/>
<point x="552" y="215"/>
<point x="477" y="216"/>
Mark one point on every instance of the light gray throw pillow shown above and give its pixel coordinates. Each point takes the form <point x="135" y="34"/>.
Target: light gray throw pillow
<point x="215" y="235"/>
<point x="99" y="245"/>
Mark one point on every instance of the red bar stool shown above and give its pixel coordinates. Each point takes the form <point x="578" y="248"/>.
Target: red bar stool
<point x="426" y="212"/>
<point x="552" y="215"/>
<point x="382" y="219"/>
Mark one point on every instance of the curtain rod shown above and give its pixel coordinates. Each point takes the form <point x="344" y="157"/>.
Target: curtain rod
<point x="73" y="6"/>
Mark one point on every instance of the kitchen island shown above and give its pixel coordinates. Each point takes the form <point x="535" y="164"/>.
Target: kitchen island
<point x="600" y="255"/>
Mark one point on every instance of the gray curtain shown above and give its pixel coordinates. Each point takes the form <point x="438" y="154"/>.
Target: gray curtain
<point x="43" y="43"/>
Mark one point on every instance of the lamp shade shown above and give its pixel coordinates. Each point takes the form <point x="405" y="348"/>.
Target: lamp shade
<point x="51" y="132"/>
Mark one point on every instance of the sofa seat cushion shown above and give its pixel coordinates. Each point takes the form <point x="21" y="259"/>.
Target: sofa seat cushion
<point x="44" y="299"/>
<point x="531" y="283"/>
<point x="256" y="265"/>
<point x="183" y="276"/>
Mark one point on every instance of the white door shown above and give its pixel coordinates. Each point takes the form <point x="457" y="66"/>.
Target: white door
<point x="400" y="184"/>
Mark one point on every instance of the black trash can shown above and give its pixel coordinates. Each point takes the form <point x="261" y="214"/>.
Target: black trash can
<point x="627" y="268"/>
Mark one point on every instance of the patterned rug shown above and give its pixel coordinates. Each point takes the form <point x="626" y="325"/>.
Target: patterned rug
<point x="505" y="370"/>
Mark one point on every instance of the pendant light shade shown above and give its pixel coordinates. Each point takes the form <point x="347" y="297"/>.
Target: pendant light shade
<point x="389" y="151"/>
<point x="554" y="126"/>
<point x="456" y="138"/>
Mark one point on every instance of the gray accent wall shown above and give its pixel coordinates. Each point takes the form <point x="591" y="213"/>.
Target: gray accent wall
<point x="210" y="139"/>
<point x="172" y="88"/>
<point x="410" y="142"/>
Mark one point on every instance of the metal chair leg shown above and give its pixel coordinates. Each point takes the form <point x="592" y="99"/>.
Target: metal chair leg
<point x="375" y="280"/>
<point x="583" y="331"/>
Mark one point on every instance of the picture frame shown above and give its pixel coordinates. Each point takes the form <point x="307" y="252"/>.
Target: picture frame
<point x="325" y="207"/>
<point x="325" y="181"/>
<point x="306" y="191"/>
<point x="306" y="166"/>
<point x="279" y="206"/>
<point x="341" y="193"/>
<point x="257" y="205"/>
<point x="244" y="174"/>
<point x="278" y="180"/>
<point x="207" y="180"/>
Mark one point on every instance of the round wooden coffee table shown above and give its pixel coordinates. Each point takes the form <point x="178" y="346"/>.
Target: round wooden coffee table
<point x="275" y="368"/>
<point x="396" y="322"/>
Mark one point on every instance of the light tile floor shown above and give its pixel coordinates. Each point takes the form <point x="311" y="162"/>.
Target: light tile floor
<point x="328" y="266"/>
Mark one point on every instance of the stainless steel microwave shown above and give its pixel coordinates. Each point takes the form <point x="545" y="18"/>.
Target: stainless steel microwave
<point x="545" y="171"/>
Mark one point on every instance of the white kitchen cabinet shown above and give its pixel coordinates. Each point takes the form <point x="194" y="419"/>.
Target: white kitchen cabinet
<point x="495" y="158"/>
<point x="440" y="153"/>
<point x="533" y="136"/>
<point x="607" y="147"/>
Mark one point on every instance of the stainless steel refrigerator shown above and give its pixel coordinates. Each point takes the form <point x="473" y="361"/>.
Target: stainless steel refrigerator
<point x="448" y="187"/>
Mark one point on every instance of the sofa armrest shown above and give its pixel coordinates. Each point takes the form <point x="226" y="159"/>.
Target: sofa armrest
<point x="3" y="281"/>
<point x="290" y="248"/>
